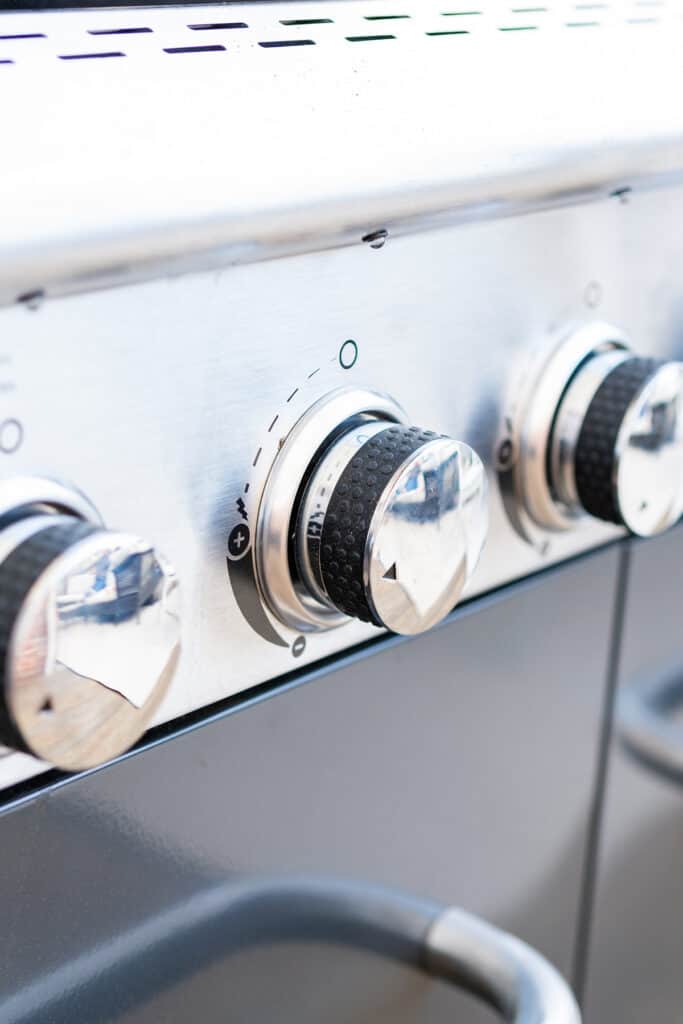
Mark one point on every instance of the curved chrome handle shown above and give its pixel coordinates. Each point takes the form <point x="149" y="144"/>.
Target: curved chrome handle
<point x="448" y="943"/>
<point x="647" y="730"/>
<point x="507" y="973"/>
<point x="445" y="942"/>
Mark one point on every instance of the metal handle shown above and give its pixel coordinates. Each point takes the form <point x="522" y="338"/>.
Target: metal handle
<point x="647" y="730"/>
<point x="445" y="942"/>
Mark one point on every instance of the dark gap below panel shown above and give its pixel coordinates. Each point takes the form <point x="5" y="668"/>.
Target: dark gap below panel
<point x="590" y="866"/>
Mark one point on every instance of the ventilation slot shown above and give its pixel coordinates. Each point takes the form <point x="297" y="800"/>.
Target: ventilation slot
<point x="218" y="26"/>
<point x="142" y="30"/>
<point x="272" y="43"/>
<point x="91" y="56"/>
<point x="211" y="48"/>
<point x="367" y="39"/>
<point x="405" y="21"/>
<point x="306" y="21"/>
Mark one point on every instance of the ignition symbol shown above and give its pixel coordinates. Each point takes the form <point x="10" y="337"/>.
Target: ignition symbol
<point x="242" y="509"/>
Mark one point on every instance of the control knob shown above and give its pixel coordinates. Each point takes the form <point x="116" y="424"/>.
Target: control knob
<point x="616" y="445"/>
<point x="89" y="638"/>
<point x="390" y="524"/>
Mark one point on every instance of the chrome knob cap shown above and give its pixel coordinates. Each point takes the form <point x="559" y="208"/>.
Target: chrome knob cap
<point x="391" y="525"/>
<point x="617" y="442"/>
<point x="89" y="638"/>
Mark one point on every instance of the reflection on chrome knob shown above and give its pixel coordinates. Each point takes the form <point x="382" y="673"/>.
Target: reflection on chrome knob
<point x="617" y="442"/>
<point x="391" y="524"/>
<point x="89" y="638"/>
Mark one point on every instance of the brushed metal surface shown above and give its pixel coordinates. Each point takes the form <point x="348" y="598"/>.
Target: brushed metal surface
<point x="165" y="401"/>
<point x="439" y="783"/>
<point x="634" y="968"/>
<point x="155" y="161"/>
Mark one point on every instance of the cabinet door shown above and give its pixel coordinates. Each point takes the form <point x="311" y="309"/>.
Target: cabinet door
<point x="459" y="766"/>
<point x="635" y="965"/>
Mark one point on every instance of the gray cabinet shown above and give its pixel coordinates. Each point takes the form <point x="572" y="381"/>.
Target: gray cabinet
<point x="460" y="766"/>
<point x="637" y="936"/>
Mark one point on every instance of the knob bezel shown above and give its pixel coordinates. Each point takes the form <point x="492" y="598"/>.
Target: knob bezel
<point x="22" y="496"/>
<point x="282" y="591"/>
<point x="534" y="507"/>
<point x="316" y="499"/>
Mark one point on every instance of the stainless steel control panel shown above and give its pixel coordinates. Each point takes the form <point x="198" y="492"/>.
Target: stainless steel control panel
<point x="166" y="403"/>
<point x="297" y="346"/>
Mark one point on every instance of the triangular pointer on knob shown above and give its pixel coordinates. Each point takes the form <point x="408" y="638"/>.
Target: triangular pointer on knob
<point x="390" y="574"/>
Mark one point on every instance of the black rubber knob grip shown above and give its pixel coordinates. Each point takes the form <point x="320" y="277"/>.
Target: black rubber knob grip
<point x="18" y="573"/>
<point x="594" y="460"/>
<point x="350" y="511"/>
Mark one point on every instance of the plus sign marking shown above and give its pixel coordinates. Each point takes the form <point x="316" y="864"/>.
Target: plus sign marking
<point x="238" y="541"/>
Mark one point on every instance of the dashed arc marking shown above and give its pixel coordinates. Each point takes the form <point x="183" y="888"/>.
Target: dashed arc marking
<point x="334" y="359"/>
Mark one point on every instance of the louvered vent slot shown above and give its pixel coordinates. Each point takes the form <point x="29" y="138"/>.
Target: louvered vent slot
<point x="270" y="28"/>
